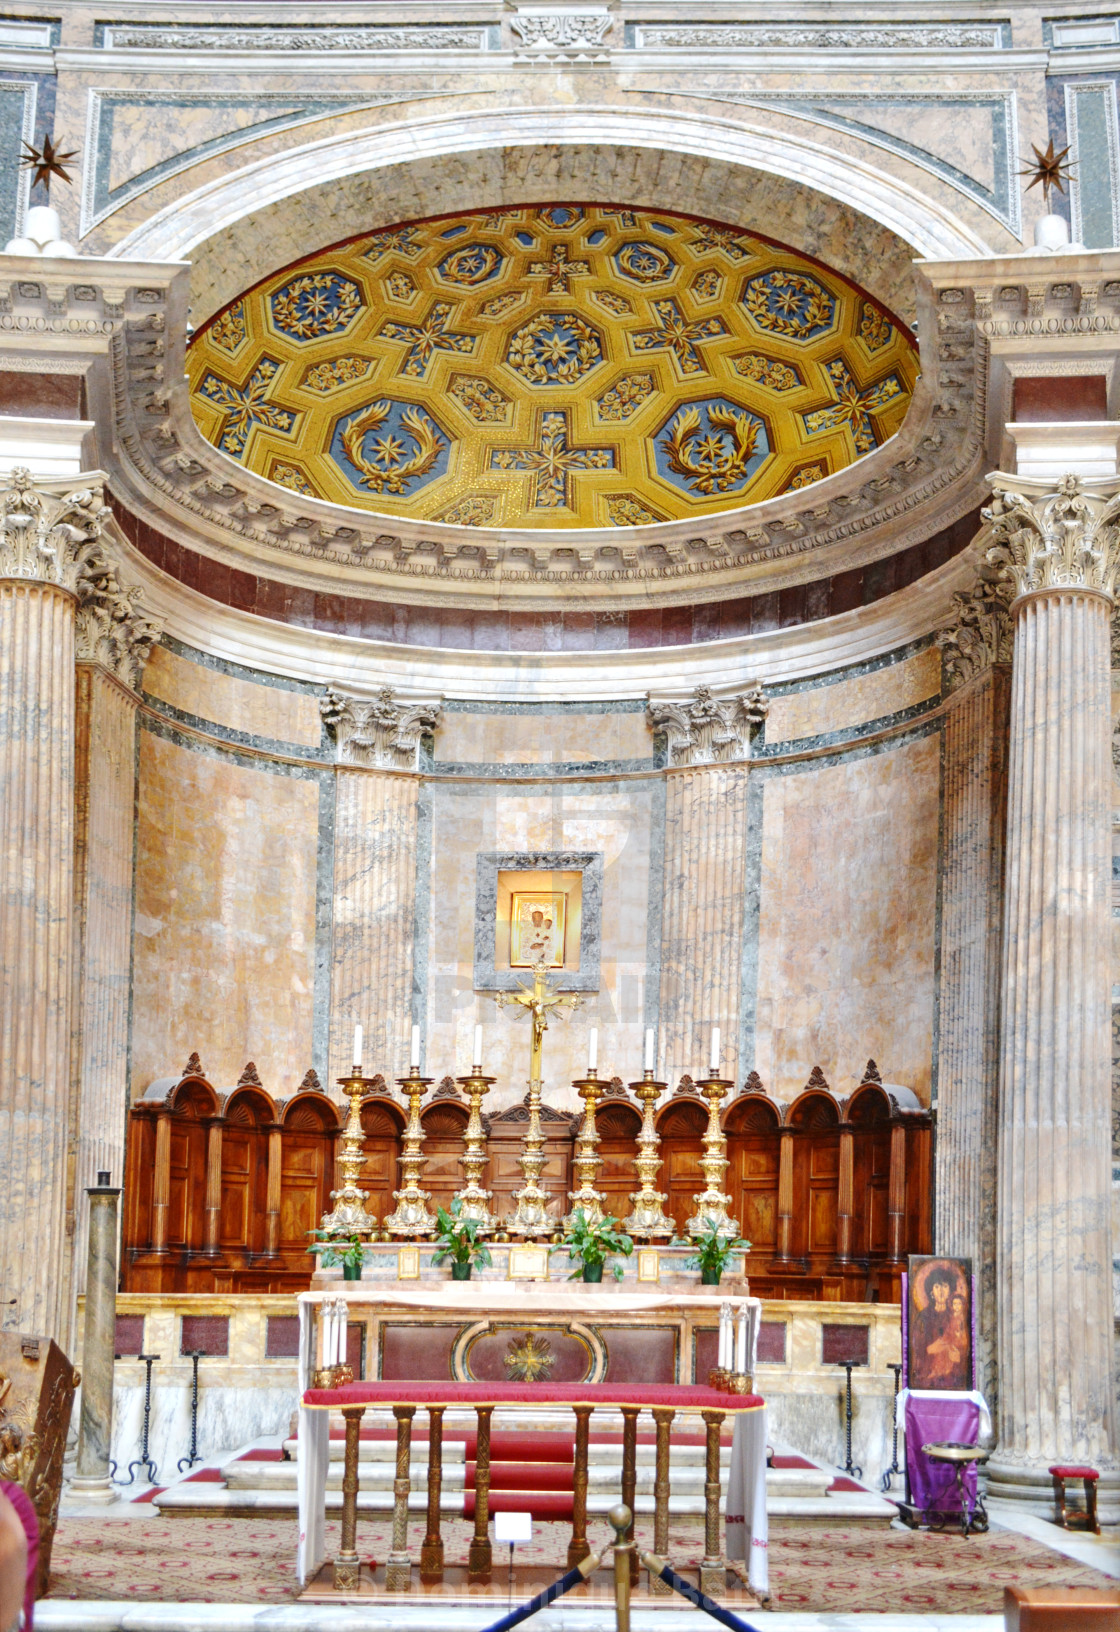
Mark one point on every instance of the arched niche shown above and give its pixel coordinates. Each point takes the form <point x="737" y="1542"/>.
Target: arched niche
<point x="192" y="1105"/>
<point x="869" y="1114"/>
<point x="617" y="1123"/>
<point x="243" y="1219"/>
<point x="751" y="1126"/>
<point x="444" y="1121"/>
<point x="681" y="1124"/>
<point x="308" y="1129"/>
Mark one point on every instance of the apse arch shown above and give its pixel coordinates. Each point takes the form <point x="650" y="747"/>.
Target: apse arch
<point x="867" y="223"/>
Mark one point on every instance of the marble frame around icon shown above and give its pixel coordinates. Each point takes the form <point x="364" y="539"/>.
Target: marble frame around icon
<point x="490" y="863"/>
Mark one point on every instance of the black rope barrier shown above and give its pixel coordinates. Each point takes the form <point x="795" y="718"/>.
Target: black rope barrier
<point x="658" y="1566"/>
<point x="557" y="1590"/>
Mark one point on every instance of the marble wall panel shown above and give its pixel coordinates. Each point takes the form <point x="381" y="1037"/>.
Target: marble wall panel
<point x="541" y="739"/>
<point x="614" y="819"/>
<point x="224" y="924"/>
<point x="702" y="918"/>
<point x="272" y="712"/>
<point x="871" y="696"/>
<point x="847" y="923"/>
<point x="374" y="903"/>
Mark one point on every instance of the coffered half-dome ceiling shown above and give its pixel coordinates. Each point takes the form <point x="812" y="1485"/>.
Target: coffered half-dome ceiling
<point x="554" y="366"/>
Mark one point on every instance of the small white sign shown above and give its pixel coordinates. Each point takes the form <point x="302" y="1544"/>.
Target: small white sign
<point x="513" y="1527"/>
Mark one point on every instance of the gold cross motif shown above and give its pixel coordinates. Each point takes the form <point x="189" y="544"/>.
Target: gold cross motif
<point x="552" y="461"/>
<point x="558" y="270"/>
<point x="537" y="1000"/>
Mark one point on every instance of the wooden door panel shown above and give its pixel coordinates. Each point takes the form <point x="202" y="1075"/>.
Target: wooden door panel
<point x="759" y="1215"/>
<point x="822" y="1221"/>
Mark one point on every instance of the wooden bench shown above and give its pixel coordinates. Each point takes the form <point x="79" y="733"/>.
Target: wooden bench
<point x="1061" y="1609"/>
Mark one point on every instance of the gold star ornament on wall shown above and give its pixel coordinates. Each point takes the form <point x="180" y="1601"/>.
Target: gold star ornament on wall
<point x="47" y="161"/>
<point x="1049" y="168"/>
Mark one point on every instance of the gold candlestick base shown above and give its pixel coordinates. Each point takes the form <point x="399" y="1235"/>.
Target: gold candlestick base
<point x="586" y="1160"/>
<point x="529" y="1218"/>
<point x="348" y="1217"/>
<point x="474" y="1201"/>
<point x="411" y="1218"/>
<point x="712" y="1203"/>
<point x="648" y="1221"/>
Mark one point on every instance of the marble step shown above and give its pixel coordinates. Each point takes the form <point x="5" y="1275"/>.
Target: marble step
<point x="274" y="1476"/>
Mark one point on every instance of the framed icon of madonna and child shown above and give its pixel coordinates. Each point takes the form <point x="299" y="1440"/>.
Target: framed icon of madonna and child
<point x="939" y="1337"/>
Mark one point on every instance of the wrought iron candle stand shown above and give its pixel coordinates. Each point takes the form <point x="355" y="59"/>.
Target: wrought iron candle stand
<point x="348" y="1217"/>
<point x="713" y="1201"/>
<point x="411" y="1218"/>
<point x="144" y="1460"/>
<point x="190" y="1460"/>
<point x="648" y="1222"/>
<point x="894" y="1467"/>
<point x="586" y="1160"/>
<point x="850" y="1467"/>
<point x="473" y="1199"/>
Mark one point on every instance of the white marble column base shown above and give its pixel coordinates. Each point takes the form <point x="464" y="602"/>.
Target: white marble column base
<point x="1032" y="1489"/>
<point x="100" y="1489"/>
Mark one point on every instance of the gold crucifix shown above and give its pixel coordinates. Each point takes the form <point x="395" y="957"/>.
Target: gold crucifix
<point x="538" y="999"/>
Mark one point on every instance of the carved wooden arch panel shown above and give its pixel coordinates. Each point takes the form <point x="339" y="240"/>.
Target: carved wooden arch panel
<point x="443" y="1123"/>
<point x="383" y="1123"/>
<point x="617" y="1124"/>
<point x="815" y="1119"/>
<point x="507" y="1130"/>
<point x="307" y="1138"/>
<point x="754" y="1154"/>
<point x="681" y="1126"/>
<point x="243" y="1218"/>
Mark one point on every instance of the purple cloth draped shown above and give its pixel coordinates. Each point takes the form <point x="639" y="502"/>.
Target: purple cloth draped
<point x="933" y="1485"/>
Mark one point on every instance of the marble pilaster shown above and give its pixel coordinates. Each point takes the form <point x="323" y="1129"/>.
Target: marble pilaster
<point x="47" y="543"/>
<point x="977" y="648"/>
<point x="374" y="904"/>
<point x="702" y="926"/>
<point x="99" y="1342"/>
<point x="1054" y="1253"/>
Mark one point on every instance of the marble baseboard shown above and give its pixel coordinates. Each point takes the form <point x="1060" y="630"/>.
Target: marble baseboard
<point x="227" y="1417"/>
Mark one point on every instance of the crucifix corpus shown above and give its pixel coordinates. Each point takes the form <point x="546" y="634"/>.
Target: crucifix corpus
<point x="529" y="1217"/>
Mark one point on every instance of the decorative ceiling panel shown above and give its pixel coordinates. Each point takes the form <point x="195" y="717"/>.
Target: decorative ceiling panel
<point x="550" y="367"/>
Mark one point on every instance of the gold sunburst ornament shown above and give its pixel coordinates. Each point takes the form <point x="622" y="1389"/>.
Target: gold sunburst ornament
<point x="1049" y="168"/>
<point x="529" y="1357"/>
<point x="46" y="161"/>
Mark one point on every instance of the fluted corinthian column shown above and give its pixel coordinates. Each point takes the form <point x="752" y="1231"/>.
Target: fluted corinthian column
<point x="977" y="668"/>
<point x="46" y="544"/>
<point x="114" y="638"/>
<point x="1054" y="1250"/>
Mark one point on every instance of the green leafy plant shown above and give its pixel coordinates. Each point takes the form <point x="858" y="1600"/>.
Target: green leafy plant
<point x="713" y="1251"/>
<point x="457" y="1238"/>
<point x="338" y="1249"/>
<point x="591" y="1242"/>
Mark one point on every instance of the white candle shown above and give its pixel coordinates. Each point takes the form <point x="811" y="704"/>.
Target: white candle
<point x="649" y="1049"/>
<point x="741" y="1341"/>
<point x="592" y="1050"/>
<point x="714" y="1061"/>
<point x="414" y="1054"/>
<point x="357" y="1047"/>
<point x="724" y="1336"/>
<point x="478" y="1051"/>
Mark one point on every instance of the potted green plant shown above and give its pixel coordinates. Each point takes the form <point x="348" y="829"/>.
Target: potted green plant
<point x="457" y="1239"/>
<point x="349" y="1251"/>
<point x="592" y="1242"/>
<point x="713" y="1251"/>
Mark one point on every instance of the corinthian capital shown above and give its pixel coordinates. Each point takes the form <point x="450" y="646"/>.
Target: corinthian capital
<point x="378" y="732"/>
<point x="980" y="632"/>
<point x="710" y="730"/>
<point x="45" y="537"/>
<point x="113" y="629"/>
<point x="1067" y="539"/>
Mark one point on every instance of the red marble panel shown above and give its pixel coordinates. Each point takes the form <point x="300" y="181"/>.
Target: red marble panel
<point x="282" y="1337"/>
<point x="1051" y="399"/>
<point x="571" y="1357"/>
<point x="839" y="1343"/>
<point x="641" y="1354"/>
<point x="706" y="1353"/>
<point x="210" y="1333"/>
<point x="130" y="1335"/>
<point x="772" y="1342"/>
<point x="418" y="1354"/>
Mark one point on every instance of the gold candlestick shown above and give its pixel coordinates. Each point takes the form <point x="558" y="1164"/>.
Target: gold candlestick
<point x="529" y="1217"/>
<point x="474" y="1200"/>
<point x="411" y="1217"/>
<point x="712" y="1202"/>
<point x="648" y="1221"/>
<point x="348" y="1216"/>
<point x="587" y="1161"/>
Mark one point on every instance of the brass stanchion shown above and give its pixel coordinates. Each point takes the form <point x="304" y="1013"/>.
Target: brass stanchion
<point x="621" y="1520"/>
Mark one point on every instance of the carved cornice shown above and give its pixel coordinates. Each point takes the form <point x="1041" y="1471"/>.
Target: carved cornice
<point x="379" y="731"/>
<point x="980" y="632"/>
<point x="710" y="730"/>
<point x="1064" y="540"/>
